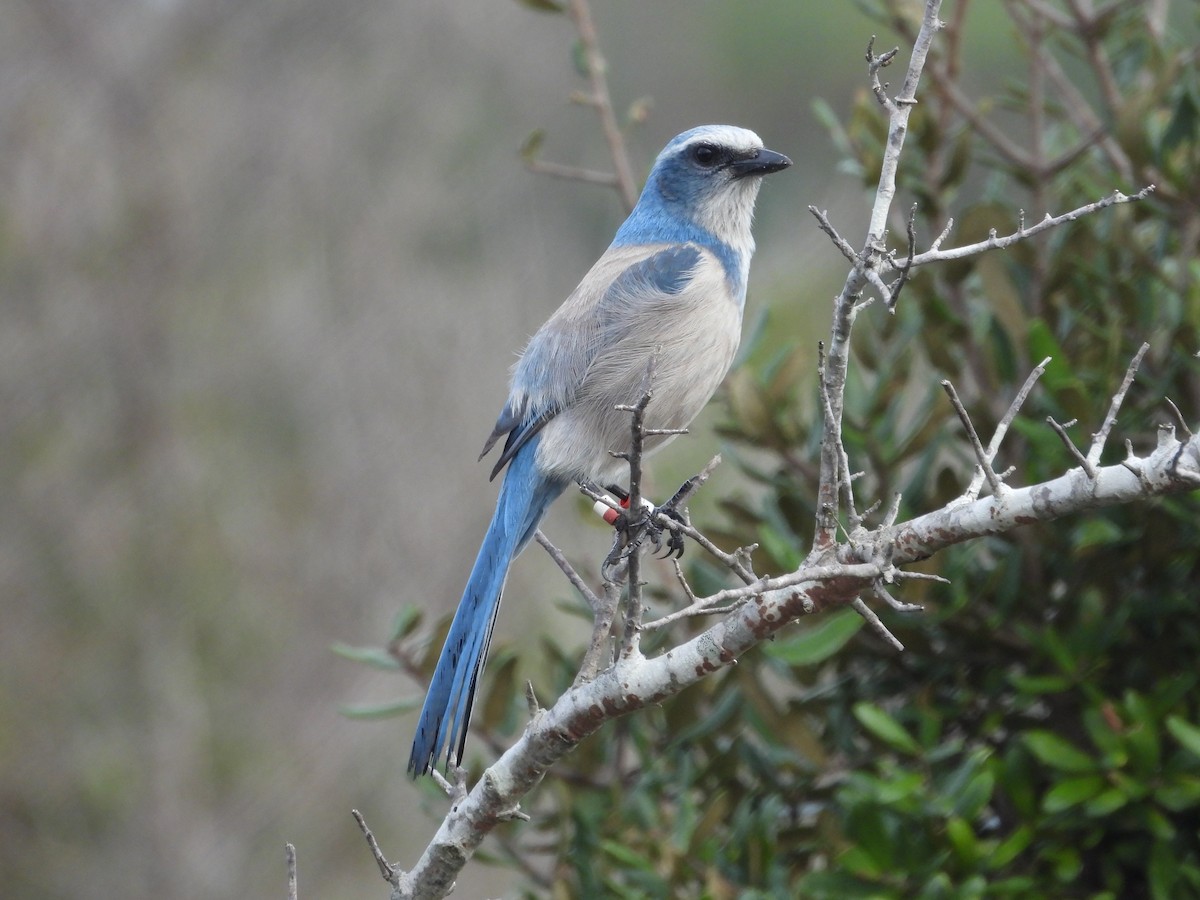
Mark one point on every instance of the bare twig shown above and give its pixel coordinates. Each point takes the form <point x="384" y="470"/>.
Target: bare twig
<point x="874" y="64"/>
<point x="594" y="603"/>
<point x="1179" y="419"/>
<point x="599" y="653"/>
<point x="572" y="173"/>
<point x="699" y="608"/>
<point x="293" y="888"/>
<point x="531" y="700"/>
<point x="1101" y="436"/>
<point x="389" y="872"/>
<point x="993" y="447"/>
<point x="995" y="242"/>
<point x="683" y="582"/>
<point x="876" y="624"/>
<point x="893" y="509"/>
<point x="597" y="70"/>
<point x="981" y="457"/>
<point x="455" y="790"/>
<point x="843" y="469"/>
<point x="894" y="296"/>
<point x="1061" y="431"/>
<point x="737" y="561"/>
<point x="883" y="594"/>
<point x="637" y="437"/>
<point x="822" y="217"/>
<point x="919" y="576"/>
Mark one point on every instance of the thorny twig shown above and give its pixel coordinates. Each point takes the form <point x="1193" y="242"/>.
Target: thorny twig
<point x="993" y="447"/>
<point x="995" y="242"/>
<point x="637" y="516"/>
<point x="594" y="603"/>
<point x="389" y="872"/>
<point x="982" y="460"/>
<point x="1061" y="431"/>
<point x="1101" y="436"/>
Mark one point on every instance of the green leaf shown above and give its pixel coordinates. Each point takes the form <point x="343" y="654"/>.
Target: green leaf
<point x="407" y="619"/>
<point x="1096" y="532"/>
<point x="818" y="641"/>
<point x="1104" y="730"/>
<point x="1186" y="733"/>
<point x="1010" y="848"/>
<point x="532" y="145"/>
<point x="1184" y="124"/>
<point x="627" y="856"/>
<point x="975" y="795"/>
<point x="1042" y="343"/>
<point x="1179" y="793"/>
<point x="1142" y="734"/>
<point x="962" y="838"/>
<point x="548" y="6"/>
<point x="376" y="657"/>
<point x="579" y="58"/>
<point x="860" y="862"/>
<point x="839" y="885"/>
<point x="1067" y="863"/>
<point x="1041" y="684"/>
<point x="639" y="110"/>
<point x="1057" y="753"/>
<point x="380" y="710"/>
<point x="1071" y="792"/>
<point x="1106" y="802"/>
<point x="885" y="728"/>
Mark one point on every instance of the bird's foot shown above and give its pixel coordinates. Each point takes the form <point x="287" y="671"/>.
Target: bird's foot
<point x="633" y="527"/>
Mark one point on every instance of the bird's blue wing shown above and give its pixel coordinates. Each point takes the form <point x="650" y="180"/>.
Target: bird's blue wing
<point x="519" y="434"/>
<point x="557" y="359"/>
<point x="664" y="272"/>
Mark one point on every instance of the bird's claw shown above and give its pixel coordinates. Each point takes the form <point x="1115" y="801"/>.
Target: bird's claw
<point x="634" y="527"/>
<point x="673" y="546"/>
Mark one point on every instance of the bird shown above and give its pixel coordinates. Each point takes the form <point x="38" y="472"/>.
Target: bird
<point x="669" y="289"/>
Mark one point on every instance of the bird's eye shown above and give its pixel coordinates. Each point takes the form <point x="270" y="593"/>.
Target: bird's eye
<point x="705" y="155"/>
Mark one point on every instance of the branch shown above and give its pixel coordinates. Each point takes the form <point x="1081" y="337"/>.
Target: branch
<point x="983" y="461"/>
<point x="993" y="447"/>
<point x="1110" y="420"/>
<point x="600" y="100"/>
<point x="865" y="271"/>
<point x="293" y="888"/>
<point x="1172" y="468"/>
<point x="633" y="683"/>
<point x="386" y="869"/>
<point x="995" y="242"/>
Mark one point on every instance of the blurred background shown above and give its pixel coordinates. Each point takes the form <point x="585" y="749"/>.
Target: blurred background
<point x="263" y="269"/>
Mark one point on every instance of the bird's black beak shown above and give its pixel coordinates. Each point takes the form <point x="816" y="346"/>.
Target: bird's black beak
<point x="763" y="162"/>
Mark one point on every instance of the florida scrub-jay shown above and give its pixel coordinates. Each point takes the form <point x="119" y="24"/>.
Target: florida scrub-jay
<point x="671" y="286"/>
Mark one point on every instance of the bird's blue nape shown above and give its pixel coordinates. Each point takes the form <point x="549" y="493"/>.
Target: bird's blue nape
<point x="650" y="223"/>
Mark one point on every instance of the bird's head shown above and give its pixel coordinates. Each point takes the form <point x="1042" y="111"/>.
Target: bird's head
<point x="706" y="179"/>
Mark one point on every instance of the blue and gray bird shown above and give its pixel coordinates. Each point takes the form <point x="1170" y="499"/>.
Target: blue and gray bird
<point x="670" y="287"/>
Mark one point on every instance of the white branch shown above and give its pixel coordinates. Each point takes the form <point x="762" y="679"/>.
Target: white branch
<point x="634" y="682"/>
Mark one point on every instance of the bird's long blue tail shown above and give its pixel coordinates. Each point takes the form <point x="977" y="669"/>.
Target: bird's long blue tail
<point x="524" y="497"/>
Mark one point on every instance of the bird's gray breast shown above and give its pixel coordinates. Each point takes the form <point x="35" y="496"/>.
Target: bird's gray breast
<point x="691" y="335"/>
